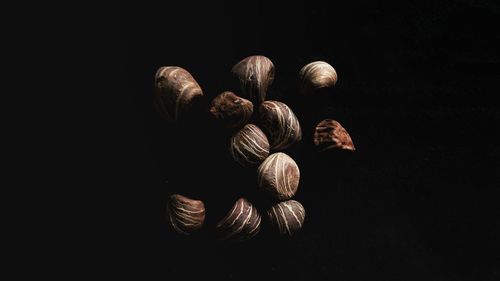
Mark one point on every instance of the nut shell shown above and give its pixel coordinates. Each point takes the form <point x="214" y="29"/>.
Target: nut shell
<point x="184" y="214"/>
<point x="316" y="75"/>
<point x="255" y="74"/>
<point x="279" y="176"/>
<point x="249" y="146"/>
<point x="175" y="92"/>
<point x="231" y="110"/>
<point x="329" y="134"/>
<point x="287" y="217"/>
<point x="280" y="124"/>
<point x="241" y="223"/>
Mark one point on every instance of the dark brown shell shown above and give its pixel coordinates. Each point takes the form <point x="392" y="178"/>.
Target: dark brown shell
<point x="241" y="223"/>
<point x="249" y="146"/>
<point x="255" y="74"/>
<point x="329" y="134"/>
<point x="184" y="214"/>
<point x="279" y="176"/>
<point x="231" y="110"/>
<point x="287" y="217"/>
<point x="280" y="124"/>
<point x="175" y="92"/>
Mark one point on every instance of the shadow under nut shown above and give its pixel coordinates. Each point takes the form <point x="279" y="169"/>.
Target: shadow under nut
<point x="316" y="75"/>
<point x="255" y="74"/>
<point x="329" y="134"/>
<point x="249" y="146"/>
<point x="241" y="223"/>
<point x="280" y="124"/>
<point x="288" y="217"/>
<point x="175" y="92"/>
<point x="184" y="214"/>
<point x="232" y="111"/>
<point x="279" y="176"/>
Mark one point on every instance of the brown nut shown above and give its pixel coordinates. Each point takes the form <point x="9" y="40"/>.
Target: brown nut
<point x="255" y="74"/>
<point x="231" y="110"/>
<point x="288" y="217"/>
<point x="175" y="92"/>
<point x="280" y="124"/>
<point x="241" y="223"/>
<point x="184" y="214"/>
<point x="330" y="134"/>
<point x="279" y="176"/>
<point x="316" y="75"/>
<point x="249" y="146"/>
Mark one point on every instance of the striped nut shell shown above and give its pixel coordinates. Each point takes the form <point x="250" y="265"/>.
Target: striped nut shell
<point x="184" y="214"/>
<point x="241" y="223"/>
<point x="316" y="75"/>
<point x="175" y="92"/>
<point x="255" y="74"/>
<point x="231" y="110"/>
<point x="287" y="217"/>
<point x="330" y="134"/>
<point x="249" y="146"/>
<point x="280" y="124"/>
<point x="279" y="176"/>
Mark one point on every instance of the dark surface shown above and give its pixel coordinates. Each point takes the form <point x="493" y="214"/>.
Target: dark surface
<point x="417" y="91"/>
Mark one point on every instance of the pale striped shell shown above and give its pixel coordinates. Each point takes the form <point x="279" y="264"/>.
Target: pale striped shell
<point x="241" y="223"/>
<point x="279" y="176"/>
<point x="316" y="75"/>
<point x="255" y="74"/>
<point x="288" y="217"/>
<point x="184" y="214"/>
<point x="330" y="134"/>
<point x="249" y="146"/>
<point x="280" y="124"/>
<point x="175" y="92"/>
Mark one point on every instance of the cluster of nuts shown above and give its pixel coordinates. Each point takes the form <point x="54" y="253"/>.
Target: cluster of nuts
<point x="259" y="146"/>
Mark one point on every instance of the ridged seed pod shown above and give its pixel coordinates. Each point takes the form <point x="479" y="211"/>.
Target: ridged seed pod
<point x="249" y="146"/>
<point x="330" y="134"/>
<point x="316" y="75"/>
<point x="231" y="110"/>
<point x="241" y="223"/>
<point x="279" y="176"/>
<point x="175" y="92"/>
<point x="184" y="214"/>
<point x="287" y="217"/>
<point x="255" y="74"/>
<point x="280" y="124"/>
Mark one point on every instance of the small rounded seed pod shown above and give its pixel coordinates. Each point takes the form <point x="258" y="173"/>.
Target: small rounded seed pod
<point x="231" y="110"/>
<point x="255" y="74"/>
<point x="184" y="214"/>
<point x="249" y="146"/>
<point x="330" y="134"/>
<point x="241" y="223"/>
<point x="279" y="176"/>
<point x="316" y="75"/>
<point x="280" y="124"/>
<point x="175" y="92"/>
<point x="288" y="217"/>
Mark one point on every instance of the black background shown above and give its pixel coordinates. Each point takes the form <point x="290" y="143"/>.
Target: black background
<point x="417" y="92"/>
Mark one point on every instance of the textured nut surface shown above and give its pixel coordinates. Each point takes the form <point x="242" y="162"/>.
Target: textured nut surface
<point x="316" y="75"/>
<point x="175" y="91"/>
<point x="255" y="74"/>
<point x="231" y="110"/>
<point x="330" y="134"/>
<point x="241" y="223"/>
<point x="288" y="217"/>
<point x="279" y="176"/>
<point x="280" y="124"/>
<point x="184" y="214"/>
<point x="249" y="146"/>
